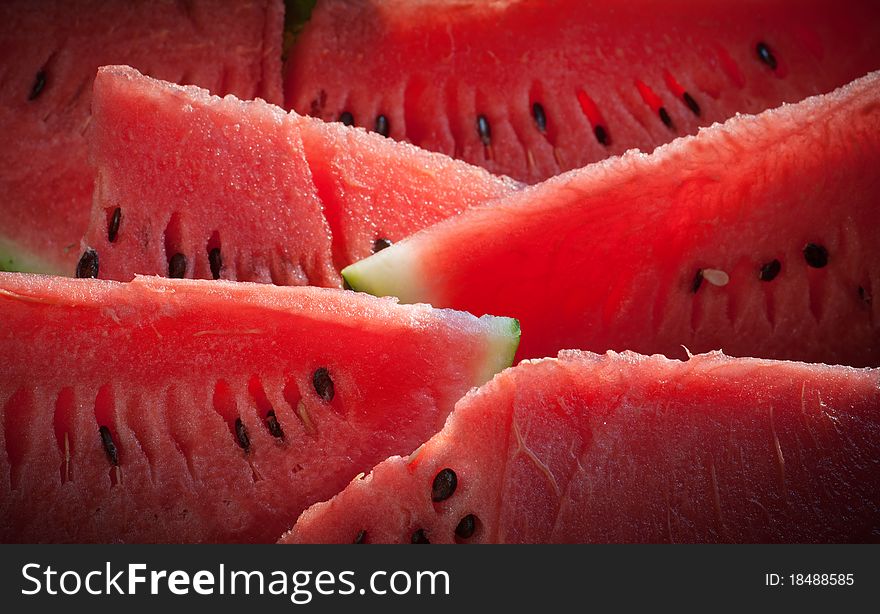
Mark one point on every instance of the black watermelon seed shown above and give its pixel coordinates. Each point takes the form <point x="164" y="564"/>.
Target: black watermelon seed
<point x="466" y="526"/>
<point x="816" y="255"/>
<point x="444" y="485"/>
<point x="382" y="125"/>
<point x="601" y="134"/>
<point x="177" y="266"/>
<point x="361" y="537"/>
<point x="765" y="55"/>
<point x="419" y="537"/>
<point x="88" y="264"/>
<point x="770" y="270"/>
<point x="39" y="84"/>
<point x="273" y="425"/>
<point x="241" y="435"/>
<point x="691" y="103"/>
<point x="698" y="281"/>
<point x="113" y="226"/>
<point x="215" y="259"/>
<point x="664" y="116"/>
<point x="323" y="384"/>
<point x="109" y="446"/>
<point x="380" y="244"/>
<point x="864" y="295"/>
<point x="484" y="130"/>
<point x="346" y="118"/>
<point x="540" y="117"/>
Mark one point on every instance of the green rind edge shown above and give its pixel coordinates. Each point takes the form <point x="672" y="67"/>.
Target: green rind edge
<point x="504" y="342"/>
<point x="13" y="259"/>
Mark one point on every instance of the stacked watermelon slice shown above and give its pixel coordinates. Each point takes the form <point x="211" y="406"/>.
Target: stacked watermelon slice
<point x="209" y="374"/>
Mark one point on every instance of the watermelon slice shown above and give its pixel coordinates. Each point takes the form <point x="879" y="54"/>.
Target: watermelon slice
<point x="51" y="50"/>
<point x="190" y="411"/>
<point x="191" y="185"/>
<point x="530" y="89"/>
<point x="758" y="237"/>
<point x="628" y="448"/>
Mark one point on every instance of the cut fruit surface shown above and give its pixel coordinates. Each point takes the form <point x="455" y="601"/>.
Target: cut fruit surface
<point x="531" y="89"/>
<point x="757" y="237"/>
<point x="628" y="448"/>
<point x="51" y="51"/>
<point x="190" y="411"/>
<point x="244" y="191"/>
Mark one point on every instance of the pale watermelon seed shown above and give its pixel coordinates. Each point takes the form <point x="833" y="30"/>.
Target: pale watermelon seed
<point x="323" y="384"/>
<point x="766" y="56"/>
<point x="716" y="277"/>
<point x="109" y="446"/>
<point x="361" y="537"/>
<point x="698" y="281"/>
<point x="39" y="84"/>
<point x="177" y="266"/>
<point x="484" y="130"/>
<point x="380" y="244"/>
<point x="87" y="267"/>
<point x="419" y="537"/>
<point x="540" y="117"/>
<point x="215" y="260"/>
<point x="770" y="270"/>
<point x="815" y="255"/>
<point x="691" y="103"/>
<point x="346" y="118"/>
<point x="466" y="526"/>
<point x="241" y="435"/>
<point x="113" y="226"/>
<point x="445" y="483"/>
<point x="382" y="126"/>
<point x="273" y="425"/>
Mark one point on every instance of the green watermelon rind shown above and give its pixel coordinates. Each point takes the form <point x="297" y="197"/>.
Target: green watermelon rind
<point x="389" y="272"/>
<point x="505" y="335"/>
<point x="13" y="259"/>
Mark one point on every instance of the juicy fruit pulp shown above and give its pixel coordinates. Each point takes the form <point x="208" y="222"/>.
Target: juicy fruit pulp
<point x="531" y="89"/>
<point x="627" y="448"/>
<point x="190" y="411"/>
<point x="758" y="237"/>
<point x="190" y="185"/>
<point x="51" y="51"/>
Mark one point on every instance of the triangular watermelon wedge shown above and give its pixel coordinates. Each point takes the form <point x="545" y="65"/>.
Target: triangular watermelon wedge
<point x="191" y="185"/>
<point x="192" y="411"/>
<point x="758" y="237"/>
<point x="531" y="89"/>
<point x="51" y="51"/>
<point x="629" y="448"/>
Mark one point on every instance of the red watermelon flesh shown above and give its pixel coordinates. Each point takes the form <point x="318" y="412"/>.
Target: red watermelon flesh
<point x="191" y="411"/>
<point x="606" y="76"/>
<point x="629" y="448"/>
<point x="758" y="237"/>
<point x="51" y="50"/>
<point x="282" y="198"/>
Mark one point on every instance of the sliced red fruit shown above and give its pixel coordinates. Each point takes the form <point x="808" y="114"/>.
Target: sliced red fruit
<point x="628" y="448"/>
<point x="281" y="198"/>
<point x="531" y="89"/>
<point x="758" y="237"/>
<point x="50" y="53"/>
<point x="190" y="411"/>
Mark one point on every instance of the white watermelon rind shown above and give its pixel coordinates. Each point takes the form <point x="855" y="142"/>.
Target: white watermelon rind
<point x="14" y="259"/>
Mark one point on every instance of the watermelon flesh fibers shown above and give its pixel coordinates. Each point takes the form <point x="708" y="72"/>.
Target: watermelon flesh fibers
<point x="281" y="198"/>
<point x="51" y="51"/>
<point x="191" y="411"/>
<point x="758" y="237"/>
<point x="531" y="89"/>
<point x="628" y="448"/>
